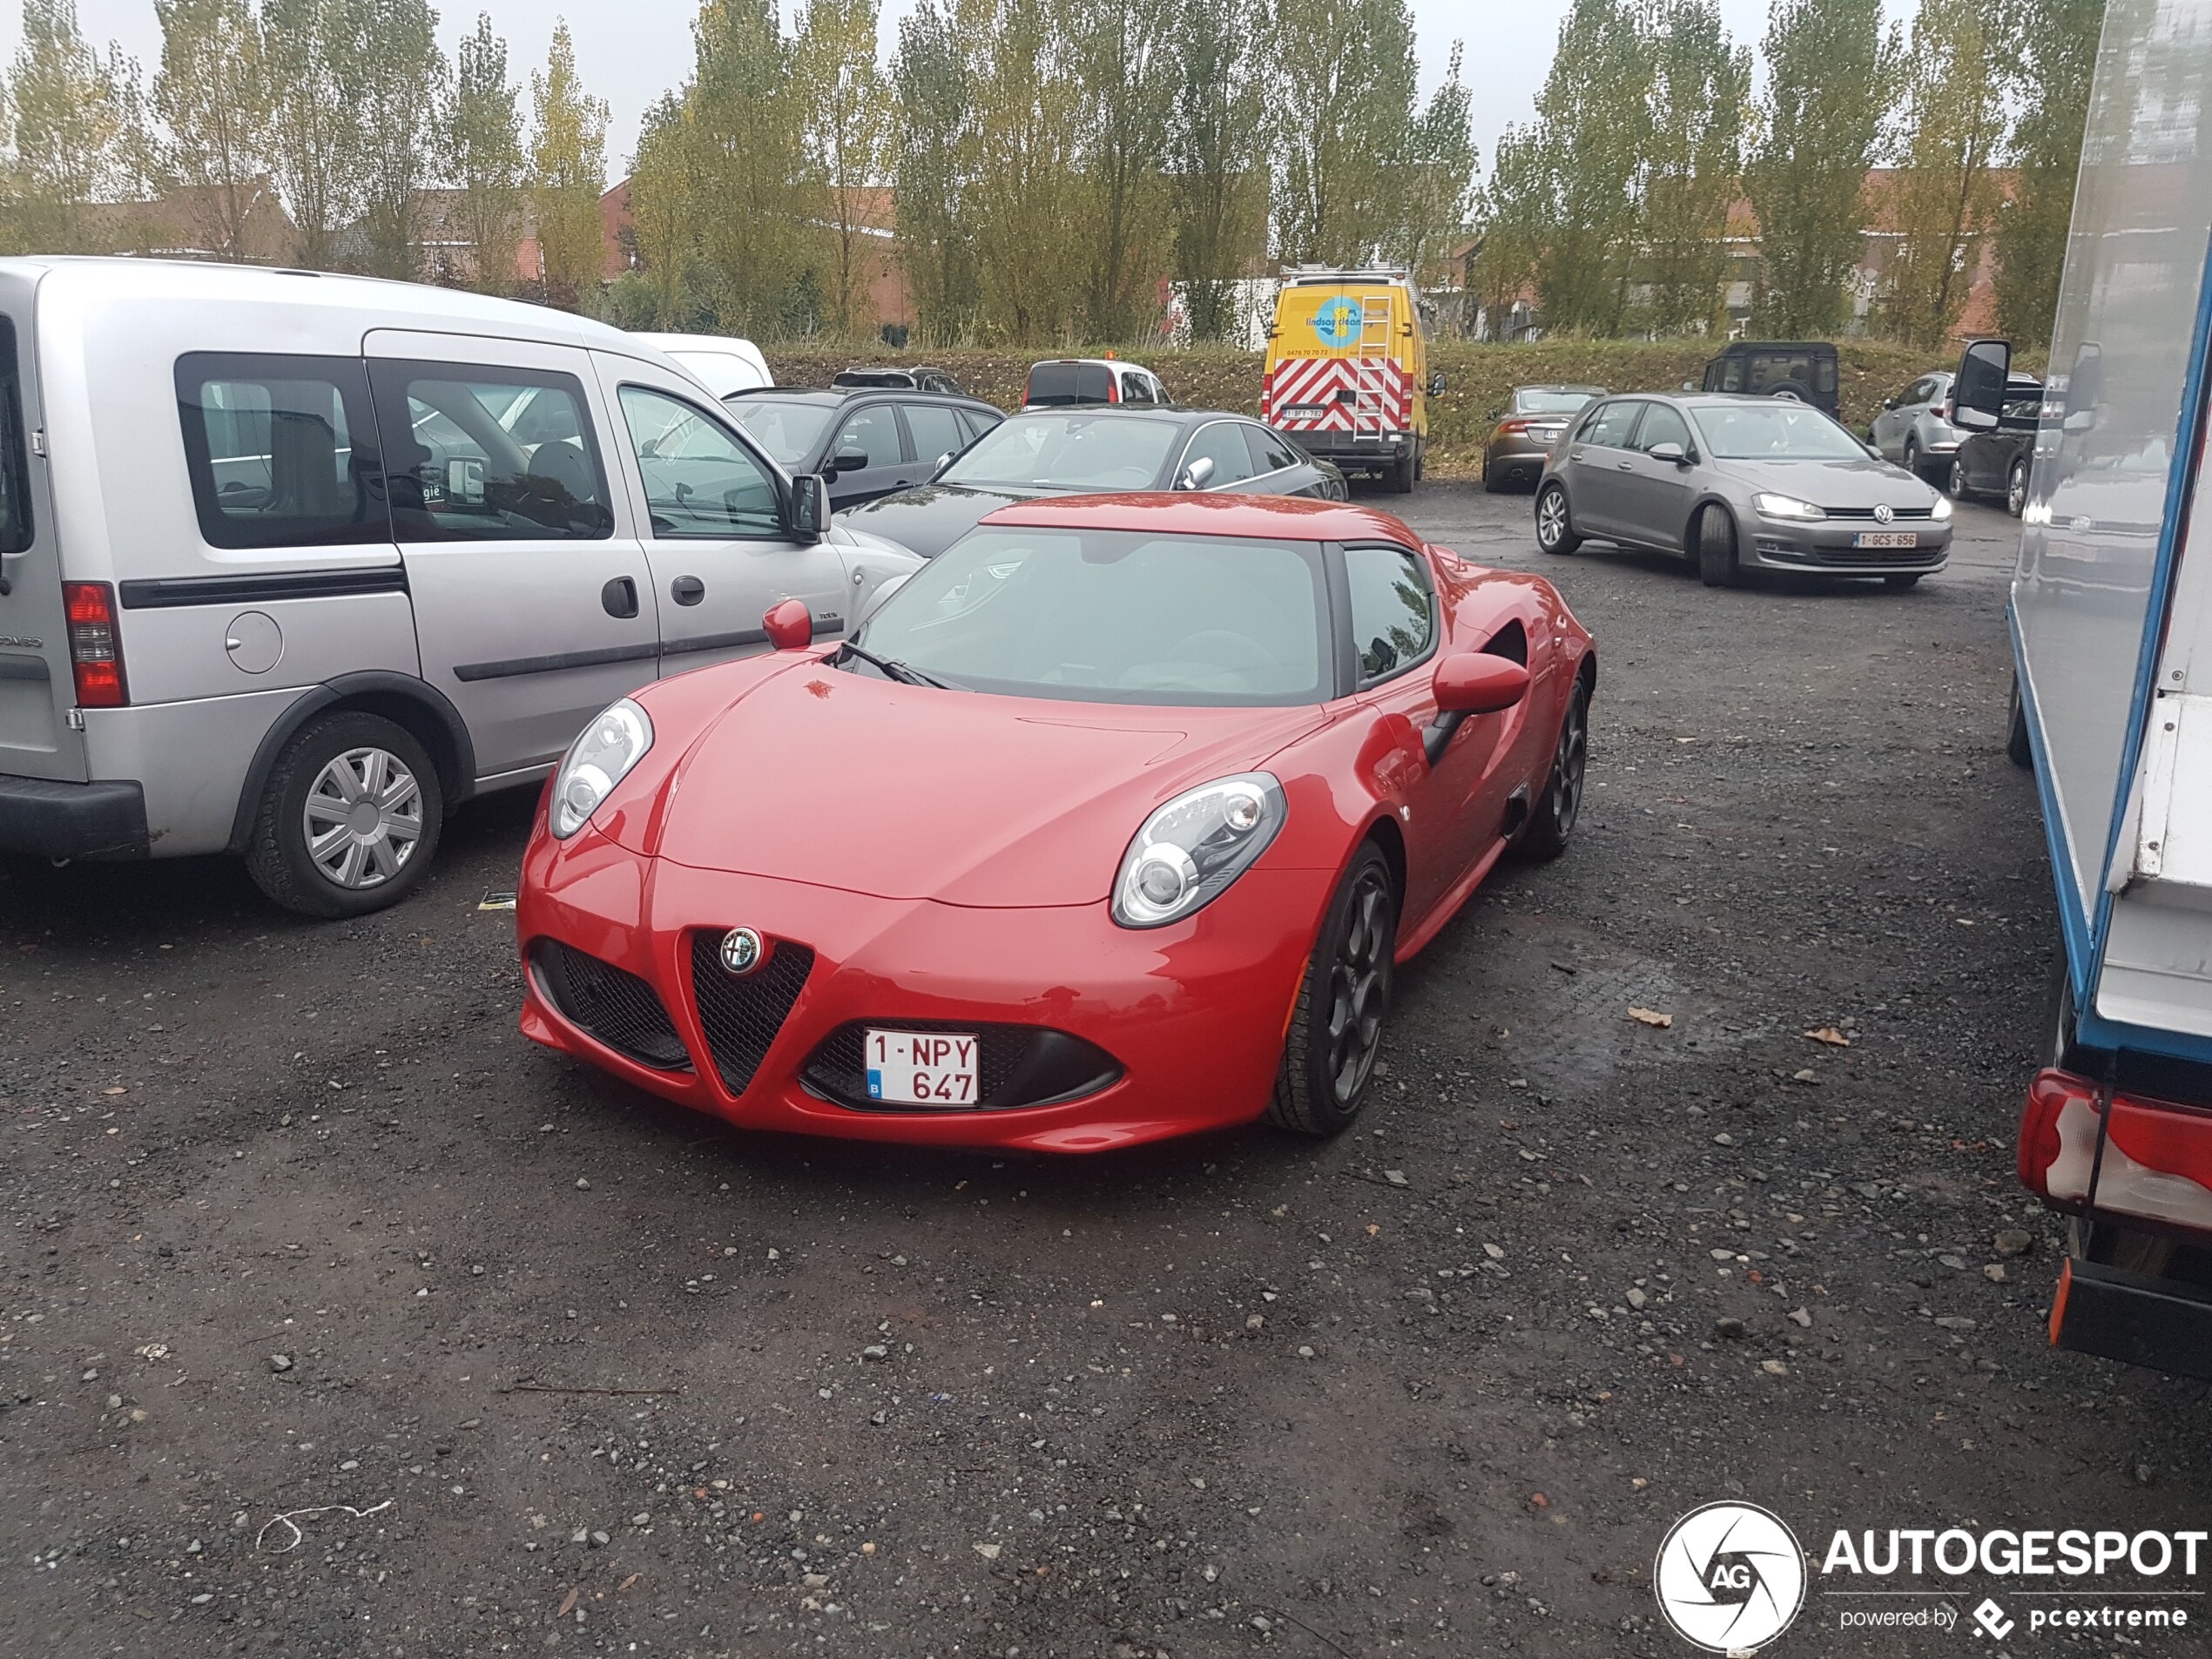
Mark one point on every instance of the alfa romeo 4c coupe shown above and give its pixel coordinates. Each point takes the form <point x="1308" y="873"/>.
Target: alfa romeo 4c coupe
<point x="1110" y="823"/>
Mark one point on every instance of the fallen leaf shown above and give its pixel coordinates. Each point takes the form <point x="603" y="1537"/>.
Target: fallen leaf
<point x="627" y="1583"/>
<point x="568" y="1605"/>
<point x="1652" y="1017"/>
<point x="1372" y="1229"/>
<point x="1829" y="1034"/>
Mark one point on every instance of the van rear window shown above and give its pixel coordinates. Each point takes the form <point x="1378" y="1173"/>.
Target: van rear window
<point x="15" y="470"/>
<point x="1060" y="385"/>
<point x="283" y="450"/>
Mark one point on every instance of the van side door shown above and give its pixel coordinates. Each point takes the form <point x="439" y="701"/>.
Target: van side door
<point x="533" y="600"/>
<point x="36" y="687"/>
<point x="713" y="511"/>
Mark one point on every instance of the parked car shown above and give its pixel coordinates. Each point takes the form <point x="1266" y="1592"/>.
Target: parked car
<point x="1070" y="382"/>
<point x="1995" y="463"/>
<point x="297" y="604"/>
<point x="1803" y="370"/>
<point x="1734" y="484"/>
<point x="866" y="442"/>
<point x="1092" y="450"/>
<point x="1135" y="805"/>
<point x="722" y="363"/>
<point x="923" y="379"/>
<point x="1914" y="428"/>
<point x="1534" y="417"/>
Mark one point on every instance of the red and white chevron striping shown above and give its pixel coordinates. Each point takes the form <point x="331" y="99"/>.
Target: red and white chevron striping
<point x="1307" y="394"/>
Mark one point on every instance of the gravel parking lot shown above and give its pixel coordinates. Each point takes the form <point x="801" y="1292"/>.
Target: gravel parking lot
<point x="339" y="1319"/>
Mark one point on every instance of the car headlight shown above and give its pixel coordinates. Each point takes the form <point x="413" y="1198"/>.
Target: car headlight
<point x="1786" y="507"/>
<point x="600" y="757"/>
<point x="1942" y="508"/>
<point x="1193" y="847"/>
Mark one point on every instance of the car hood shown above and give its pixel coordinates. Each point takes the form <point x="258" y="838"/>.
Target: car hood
<point x="929" y="518"/>
<point x="904" y="792"/>
<point x="1865" y="483"/>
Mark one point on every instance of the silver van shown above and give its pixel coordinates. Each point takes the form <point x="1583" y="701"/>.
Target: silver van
<point x="291" y="564"/>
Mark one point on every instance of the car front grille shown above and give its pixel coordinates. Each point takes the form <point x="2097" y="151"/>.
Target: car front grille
<point x="741" y="1013"/>
<point x="617" y="1006"/>
<point x="1868" y="512"/>
<point x="1017" y="1065"/>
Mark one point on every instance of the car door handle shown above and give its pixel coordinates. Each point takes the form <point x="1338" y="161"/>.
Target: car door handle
<point x="1624" y="466"/>
<point x="619" y="598"/>
<point x="687" y="590"/>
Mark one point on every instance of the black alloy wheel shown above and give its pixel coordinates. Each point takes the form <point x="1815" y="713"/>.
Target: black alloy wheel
<point x="1336" y="1030"/>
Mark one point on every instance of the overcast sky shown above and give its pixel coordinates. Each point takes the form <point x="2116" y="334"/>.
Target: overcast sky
<point x="632" y="51"/>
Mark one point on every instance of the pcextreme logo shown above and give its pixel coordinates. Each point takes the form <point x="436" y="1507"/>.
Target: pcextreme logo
<point x="1729" y="1577"/>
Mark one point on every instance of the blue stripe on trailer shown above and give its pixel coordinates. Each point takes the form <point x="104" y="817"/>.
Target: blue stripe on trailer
<point x="2073" y="921"/>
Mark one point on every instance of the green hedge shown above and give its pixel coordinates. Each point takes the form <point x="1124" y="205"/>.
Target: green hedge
<point x="1477" y="377"/>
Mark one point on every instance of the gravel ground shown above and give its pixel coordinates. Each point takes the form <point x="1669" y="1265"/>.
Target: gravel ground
<point x="339" y="1319"/>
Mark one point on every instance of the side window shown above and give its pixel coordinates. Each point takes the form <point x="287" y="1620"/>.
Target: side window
<point x="1663" y="425"/>
<point x="1394" y="618"/>
<point x="15" y="468"/>
<point x="699" y="480"/>
<point x="1611" y="425"/>
<point x="1222" y="443"/>
<point x="1269" y="453"/>
<point x="281" y="451"/>
<point x="872" y="432"/>
<point x="978" y="422"/>
<point x="1732" y="374"/>
<point x="933" y="430"/>
<point x="482" y="453"/>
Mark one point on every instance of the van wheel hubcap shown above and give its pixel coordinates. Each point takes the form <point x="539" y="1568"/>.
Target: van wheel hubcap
<point x="363" y="819"/>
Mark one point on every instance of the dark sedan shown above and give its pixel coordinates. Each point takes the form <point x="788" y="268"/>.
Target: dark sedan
<point x="867" y="440"/>
<point x="1734" y="484"/>
<point x="1521" y="441"/>
<point x="1088" y="451"/>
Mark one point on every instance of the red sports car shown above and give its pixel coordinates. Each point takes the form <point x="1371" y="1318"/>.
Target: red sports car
<point x="1110" y="824"/>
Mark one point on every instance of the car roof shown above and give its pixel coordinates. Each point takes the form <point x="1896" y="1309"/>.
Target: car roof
<point x="1132" y="412"/>
<point x="1297" y="518"/>
<point x="1561" y="385"/>
<point x="1103" y="362"/>
<point x="834" y="394"/>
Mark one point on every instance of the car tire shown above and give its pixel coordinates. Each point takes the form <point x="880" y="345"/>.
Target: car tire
<point x="1555" y="520"/>
<point x="1954" y="485"/>
<point x="2018" y="749"/>
<point x="1400" y="475"/>
<point x="1899" y="583"/>
<point x="1552" y="822"/>
<point x="1420" y="461"/>
<point x="1491" y="480"/>
<point x="1336" y="1027"/>
<point x="1794" y="391"/>
<point x="320" y="771"/>
<point x="2016" y="487"/>
<point x="1717" y="564"/>
<point x="1911" y="461"/>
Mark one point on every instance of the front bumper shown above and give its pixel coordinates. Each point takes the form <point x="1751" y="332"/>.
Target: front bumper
<point x="52" y="819"/>
<point x="1190" y="1018"/>
<point x="1825" y="546"/>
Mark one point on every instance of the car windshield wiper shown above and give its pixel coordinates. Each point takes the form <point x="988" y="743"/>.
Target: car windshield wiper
<point x="893" y="669"/>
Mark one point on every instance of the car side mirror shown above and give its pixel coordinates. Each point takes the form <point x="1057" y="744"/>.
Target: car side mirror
<point x="790" y="625"/>
<point x="1436" y="384"/>
<point x="1669" y="451"/>
<point x="1195" y="475"/>
<point x="849" y="460"/>
<point x="809" y="507"/>
<point x="1978" y="390"/>
<point x="1474" y="682"/>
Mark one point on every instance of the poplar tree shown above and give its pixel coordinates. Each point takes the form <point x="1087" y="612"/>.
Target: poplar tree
<point x="1701" y="89"/>
<point x="1121" y="52"/>
<point x="747" y="154"/>
<point x="1026" y="133"/>
<point x="2054" y="42"/>
<point x="1434" y="174"/>
<point x="848" y="129"/>
<point x="1512" y="221"/>
<point x="401" y="79"/>
<point x="79" y="130"/>
<point x="933" y="171"/>
<point x="1595" y="118"/>
<point x="213" y="94"/>
<point x="568" y="174"/>
<point x="663" y="194"/>
<point x="1944" y="196"/>
<point x="481" y="143"/>
<point x="1341" y="75"/>
<point x="1216" y="155"/>
<point x="1829" y="72"/>
<point x="313" y="55"/>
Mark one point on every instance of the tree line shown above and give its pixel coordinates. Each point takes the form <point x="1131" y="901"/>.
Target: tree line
<point x="1623" y="206"/>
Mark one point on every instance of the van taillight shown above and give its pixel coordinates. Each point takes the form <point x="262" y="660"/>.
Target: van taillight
<point x="94" y="651"/>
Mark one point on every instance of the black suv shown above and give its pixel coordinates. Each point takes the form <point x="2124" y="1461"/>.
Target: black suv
<point x="867" y="441"/>
<point x="1803" y="370"/>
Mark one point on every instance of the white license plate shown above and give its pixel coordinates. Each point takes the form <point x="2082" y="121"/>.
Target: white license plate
<point x="923" y="1068"/>
<point x="1887" y="538"/>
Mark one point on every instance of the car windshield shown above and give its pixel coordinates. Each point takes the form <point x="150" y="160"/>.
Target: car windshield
<point x="785" y="427"/>
<point x="1776" y="430"/>
<point x="1111" y="616"/>
<point x="1069" y="451"/>
<point x="1547" y="399"/>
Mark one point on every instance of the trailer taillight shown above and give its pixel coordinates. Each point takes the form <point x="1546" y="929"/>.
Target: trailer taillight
<point x="2047" y="1096"/>
<point x="95" y="653"/>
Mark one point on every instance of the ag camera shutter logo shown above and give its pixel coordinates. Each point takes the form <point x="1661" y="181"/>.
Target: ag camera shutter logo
<point x="1729" y="1577"/>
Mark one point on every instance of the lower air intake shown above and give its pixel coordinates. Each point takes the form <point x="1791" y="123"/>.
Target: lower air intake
<point x="741" y="1013"/>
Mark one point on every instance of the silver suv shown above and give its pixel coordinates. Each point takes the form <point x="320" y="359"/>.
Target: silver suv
<point x="290" y="565"/>
<point x="1911" y="429"/>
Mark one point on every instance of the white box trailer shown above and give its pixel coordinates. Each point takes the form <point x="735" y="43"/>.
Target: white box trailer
<point x="2111" y="616"/>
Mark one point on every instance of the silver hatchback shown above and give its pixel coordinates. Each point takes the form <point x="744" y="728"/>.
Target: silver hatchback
<point x="1739" y="484"/>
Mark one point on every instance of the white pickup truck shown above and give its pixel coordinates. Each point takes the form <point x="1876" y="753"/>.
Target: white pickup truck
<point x="2111" y="618"/>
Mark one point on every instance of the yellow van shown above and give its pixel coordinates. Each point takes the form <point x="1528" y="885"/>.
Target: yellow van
<point x="1346" y="377"/>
